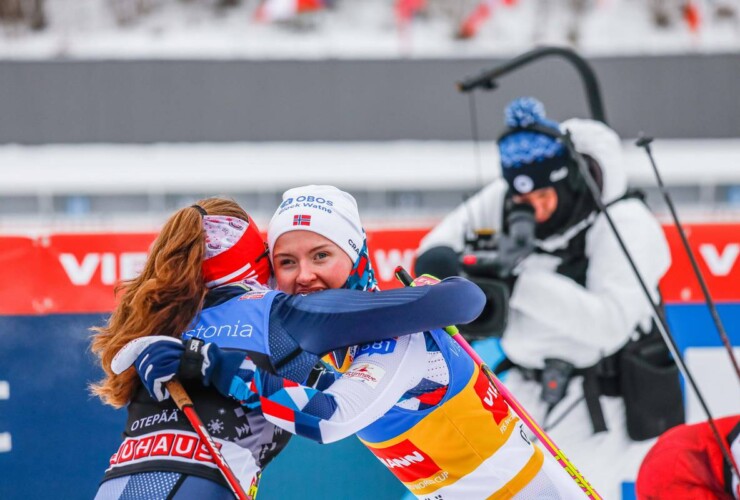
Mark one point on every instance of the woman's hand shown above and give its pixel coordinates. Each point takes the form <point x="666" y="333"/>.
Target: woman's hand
<point x="156" y="359"/>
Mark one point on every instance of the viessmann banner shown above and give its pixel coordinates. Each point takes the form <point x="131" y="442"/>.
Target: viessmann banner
<point x="77" y="273"/>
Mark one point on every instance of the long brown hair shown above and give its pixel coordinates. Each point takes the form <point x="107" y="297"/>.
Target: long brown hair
<point x="163" y="299"/>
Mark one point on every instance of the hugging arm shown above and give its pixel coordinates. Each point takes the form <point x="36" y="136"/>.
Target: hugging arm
<point x="333" y="319"/>
<point x="373" y="383"/>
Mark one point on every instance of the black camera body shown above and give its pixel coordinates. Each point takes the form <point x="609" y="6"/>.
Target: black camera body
<point x="489" y="260"/>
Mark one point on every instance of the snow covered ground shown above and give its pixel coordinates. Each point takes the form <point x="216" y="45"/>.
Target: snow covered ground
<point x="360" y="29"/>
<point x="447" y="169"/>
<point x="425" y="165"/>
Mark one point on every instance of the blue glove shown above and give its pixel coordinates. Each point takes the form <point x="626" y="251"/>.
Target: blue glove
<point x="222" y="368"/>
<point x="156" y="359"/>
<point x="214" y="366"/>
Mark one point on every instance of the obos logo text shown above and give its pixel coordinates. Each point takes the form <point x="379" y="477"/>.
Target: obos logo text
<point x="315" y="202"/>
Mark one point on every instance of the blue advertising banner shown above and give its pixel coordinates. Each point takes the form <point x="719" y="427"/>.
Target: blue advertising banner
<point x="59" y="438"/>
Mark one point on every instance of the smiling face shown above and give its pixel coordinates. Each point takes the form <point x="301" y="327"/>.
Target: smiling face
<point x="544" y="201"/>
<point x="306" y="262"/>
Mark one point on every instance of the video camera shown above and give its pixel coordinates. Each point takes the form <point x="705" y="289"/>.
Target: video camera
<point x="489" y="261"/>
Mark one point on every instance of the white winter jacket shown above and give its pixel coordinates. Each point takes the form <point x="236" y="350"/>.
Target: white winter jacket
<point x="552" y="316"/>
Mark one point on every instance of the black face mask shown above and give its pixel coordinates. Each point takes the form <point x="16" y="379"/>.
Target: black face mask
<point x="563" y="212"/>
<point x="574" y="204"/>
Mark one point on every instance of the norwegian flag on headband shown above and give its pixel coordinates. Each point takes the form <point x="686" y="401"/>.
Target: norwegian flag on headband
<point x="301" y="220"/>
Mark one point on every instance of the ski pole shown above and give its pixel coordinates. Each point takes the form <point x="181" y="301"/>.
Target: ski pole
<point x="660" y="320"/>
<point x="404" y="277"/>
<point x="183" y="401"/>
<point x="644" y="142"/>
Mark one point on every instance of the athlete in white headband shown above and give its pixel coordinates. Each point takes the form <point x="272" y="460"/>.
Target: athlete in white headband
<point x="445" y="431"/>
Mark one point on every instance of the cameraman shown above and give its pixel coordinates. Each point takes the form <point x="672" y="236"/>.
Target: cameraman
<point x="574" y="300"/>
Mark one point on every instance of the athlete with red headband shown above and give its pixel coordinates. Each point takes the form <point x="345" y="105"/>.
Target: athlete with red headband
<point x="206" y="277"/>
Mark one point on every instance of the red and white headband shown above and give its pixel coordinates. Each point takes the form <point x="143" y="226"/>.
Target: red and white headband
<point x="235" y="251"/>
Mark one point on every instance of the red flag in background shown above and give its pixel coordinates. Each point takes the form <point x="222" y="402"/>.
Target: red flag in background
<point x="276" y="10"/>
<point x="692" y="16"/>
<point x="471" y="24"/>
<point x="480" y="14"/>
<point x="406" y="10"/>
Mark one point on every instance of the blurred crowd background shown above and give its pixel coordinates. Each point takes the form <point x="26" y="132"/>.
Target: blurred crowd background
<point x="84" y="83"/>
<point x="403" y="27"/>
<point x="567" y="20"/>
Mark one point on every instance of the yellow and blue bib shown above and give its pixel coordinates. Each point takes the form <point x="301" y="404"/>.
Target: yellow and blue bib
<point x="469" y="445"/>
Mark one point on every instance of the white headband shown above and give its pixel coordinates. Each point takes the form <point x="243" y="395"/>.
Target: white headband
<point x="324" y="210"/>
